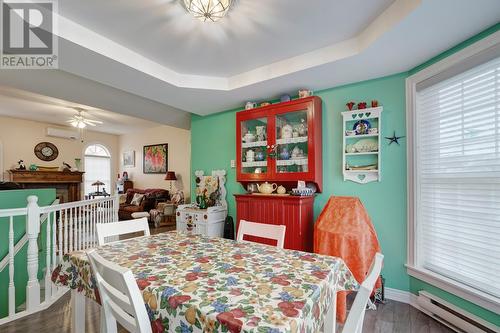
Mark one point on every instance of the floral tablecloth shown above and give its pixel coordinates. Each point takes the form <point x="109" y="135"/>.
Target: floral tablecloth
<point x="191" y="283"/>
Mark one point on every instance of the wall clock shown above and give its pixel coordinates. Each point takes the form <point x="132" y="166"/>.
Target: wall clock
<point x="46" y="151"/>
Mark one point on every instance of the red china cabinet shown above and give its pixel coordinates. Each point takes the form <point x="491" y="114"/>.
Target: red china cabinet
<point x="280" y="143"/>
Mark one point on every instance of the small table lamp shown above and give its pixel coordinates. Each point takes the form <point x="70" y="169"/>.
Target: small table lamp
<point x="98" y="183"/>
<point x="170" y="176"/>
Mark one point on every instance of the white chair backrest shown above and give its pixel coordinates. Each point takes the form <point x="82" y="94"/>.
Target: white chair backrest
<point x="270" y="231"/>
<point x="121" y="298"/>
<point x="354" y="322"/>
<point x="121" y="228"/>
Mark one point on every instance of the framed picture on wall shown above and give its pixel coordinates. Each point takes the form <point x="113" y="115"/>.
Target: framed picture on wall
<point x="155" y="158"/>
<point x="129" y="159"/>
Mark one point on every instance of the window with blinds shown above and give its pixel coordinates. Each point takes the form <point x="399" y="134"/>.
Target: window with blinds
<point x="457" y="170"/>
<point x="97" y="168"/>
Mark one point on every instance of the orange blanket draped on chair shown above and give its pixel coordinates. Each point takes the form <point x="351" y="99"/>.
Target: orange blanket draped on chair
<point x="345" y="230"/>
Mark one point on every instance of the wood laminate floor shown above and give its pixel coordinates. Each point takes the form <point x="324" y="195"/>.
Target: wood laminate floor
<point x="391" y="317"/>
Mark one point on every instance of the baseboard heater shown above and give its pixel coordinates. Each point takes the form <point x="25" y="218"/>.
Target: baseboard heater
<point x="455" y="318"/>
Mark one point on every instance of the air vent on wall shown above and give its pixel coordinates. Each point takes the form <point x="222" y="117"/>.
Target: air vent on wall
<point x="69" y="134"/>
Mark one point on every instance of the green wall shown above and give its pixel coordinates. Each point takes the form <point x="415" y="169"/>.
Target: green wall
<point x="213" y="140"/>
<point x="213" y="147"/>
<point x="18" y="199"/>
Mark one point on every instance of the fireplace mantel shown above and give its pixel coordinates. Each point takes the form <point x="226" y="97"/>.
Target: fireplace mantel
<point x="71" y="181"/>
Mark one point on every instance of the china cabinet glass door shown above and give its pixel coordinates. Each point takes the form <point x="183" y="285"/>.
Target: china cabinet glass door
<point x="254" y="154"/>
<point x="292" y="142"/>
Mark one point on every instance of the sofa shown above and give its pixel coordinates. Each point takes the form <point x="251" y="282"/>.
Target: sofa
<point x="151" y="197"/>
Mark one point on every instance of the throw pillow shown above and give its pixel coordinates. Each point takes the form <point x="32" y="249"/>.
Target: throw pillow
<point x="137" y="199"/>
<point x="122" y="199"/>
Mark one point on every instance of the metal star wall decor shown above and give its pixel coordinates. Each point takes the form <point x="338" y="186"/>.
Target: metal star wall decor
<point x="394" y="138"/>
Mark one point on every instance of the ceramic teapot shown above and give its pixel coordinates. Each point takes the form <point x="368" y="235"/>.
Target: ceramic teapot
<point x="267" y="188"/>
<point x="281" y="190"/>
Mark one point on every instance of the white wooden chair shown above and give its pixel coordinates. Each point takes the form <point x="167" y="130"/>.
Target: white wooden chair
<point x="270" y="231"/>
<point x="121" y="299"/>
<point x="354" y="322"/>
<point x="105" y="230"/>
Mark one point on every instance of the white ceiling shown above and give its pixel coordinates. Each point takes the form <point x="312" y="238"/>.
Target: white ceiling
<point x="254" y="34"/>
<point x="24" y="105"/>
<point x="152" y="51"/>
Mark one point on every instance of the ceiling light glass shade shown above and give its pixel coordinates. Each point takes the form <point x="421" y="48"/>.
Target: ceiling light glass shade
<point x="208" y="10"/>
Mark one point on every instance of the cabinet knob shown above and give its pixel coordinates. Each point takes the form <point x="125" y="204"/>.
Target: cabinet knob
<point x="205" y="216"/>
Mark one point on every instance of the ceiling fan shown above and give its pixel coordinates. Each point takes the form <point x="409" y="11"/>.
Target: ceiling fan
<point x="79" y="120"/>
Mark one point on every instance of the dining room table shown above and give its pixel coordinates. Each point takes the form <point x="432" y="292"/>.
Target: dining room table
<point x="192" y="283"/>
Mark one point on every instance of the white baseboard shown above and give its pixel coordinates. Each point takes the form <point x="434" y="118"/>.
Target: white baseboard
<point x="402" y="296"/>
<point x="398" y="295"/>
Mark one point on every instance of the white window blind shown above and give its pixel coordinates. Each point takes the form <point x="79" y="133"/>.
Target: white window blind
<point x="97" y="167"/>
<point x="458" y="177"/>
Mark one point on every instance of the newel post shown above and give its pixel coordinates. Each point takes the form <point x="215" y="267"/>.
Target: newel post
<point x="32" y="231"/>
<point x="116" y="206"/>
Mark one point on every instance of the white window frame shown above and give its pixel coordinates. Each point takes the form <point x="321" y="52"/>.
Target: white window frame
<point x="473" y="295"/>
<point x="111" y="163"/>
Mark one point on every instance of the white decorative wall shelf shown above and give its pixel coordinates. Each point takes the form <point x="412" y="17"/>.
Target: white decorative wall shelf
<point x="361" y="154"/>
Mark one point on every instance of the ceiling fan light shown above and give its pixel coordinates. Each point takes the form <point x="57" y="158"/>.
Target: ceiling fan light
<point x="208" y="10"/>
<point x="74" y="123"/>
<point x="81" y="124"/>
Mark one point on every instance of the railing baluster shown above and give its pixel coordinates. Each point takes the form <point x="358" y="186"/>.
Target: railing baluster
<point x="77" y="229"/>
<point x="62" y="230"/>
<point x="66" y="240"/>
<point x="93" y="221"/>
<point x="48" y="236"/>
<point x="54" y="247"/>
<point x="87" y="226"/>
<point x="71" y="233"/>
<point x="91" y="225"/>
<point x="84" y="229"/>
<point x="12" y="287"/>
<point x="80" y="229"/>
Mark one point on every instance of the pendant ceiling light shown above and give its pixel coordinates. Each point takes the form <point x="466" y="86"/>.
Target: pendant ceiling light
<point x="208" y="10"/>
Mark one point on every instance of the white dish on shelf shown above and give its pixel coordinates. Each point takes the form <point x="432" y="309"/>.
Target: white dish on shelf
<point x="302" y="191"/>
<point x="350" y="133"/>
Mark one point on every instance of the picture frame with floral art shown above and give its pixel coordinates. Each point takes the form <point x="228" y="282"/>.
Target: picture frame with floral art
<point x="155" y="159"/>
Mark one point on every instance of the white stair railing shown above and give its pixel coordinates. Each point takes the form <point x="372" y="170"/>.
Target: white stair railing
<point x="69" y="227"/>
